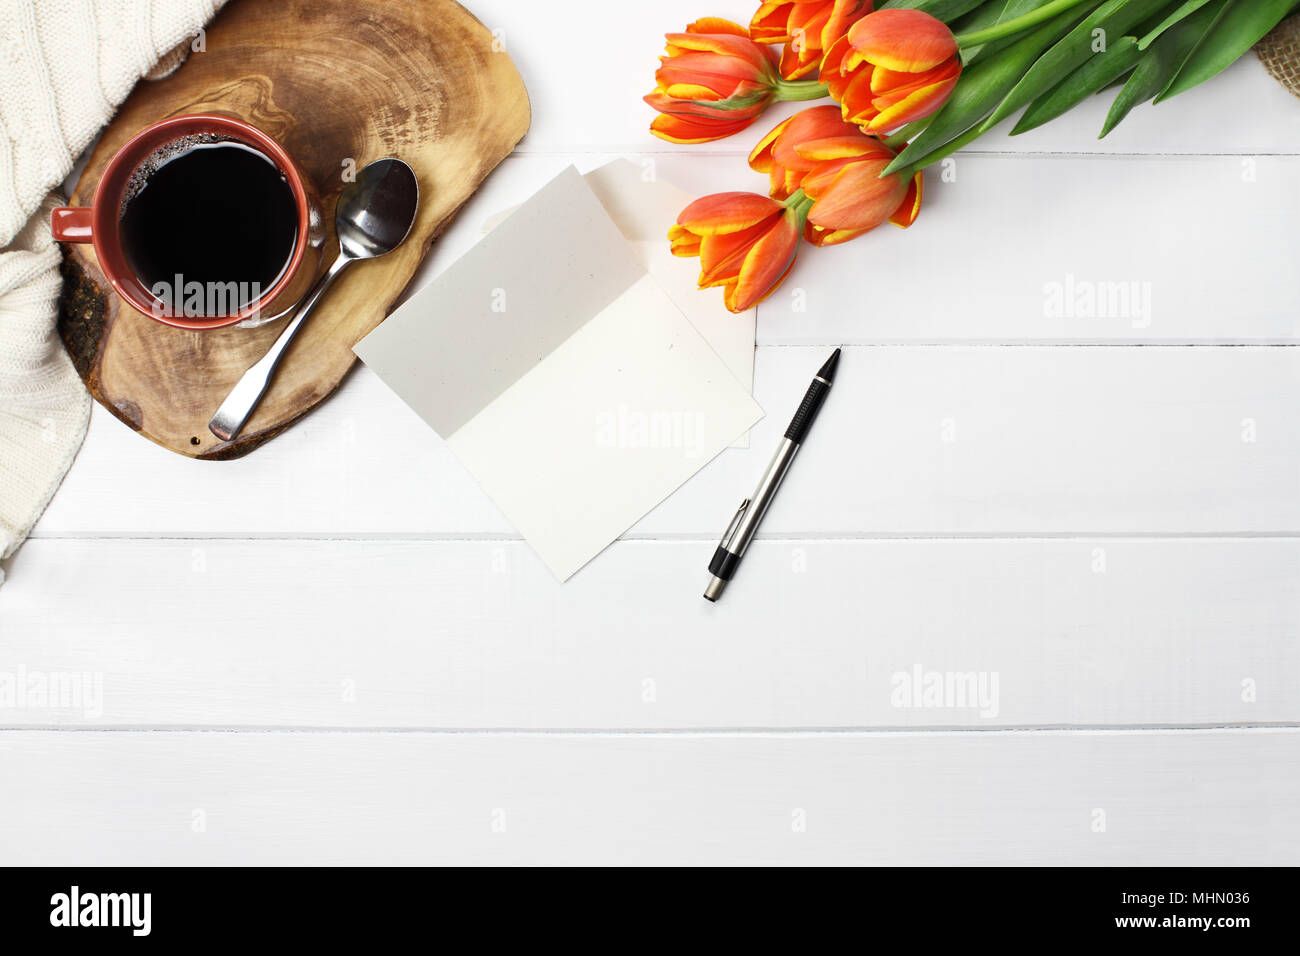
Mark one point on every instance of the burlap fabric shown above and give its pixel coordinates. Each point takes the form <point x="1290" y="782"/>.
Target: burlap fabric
<point x="1280" y="53"/>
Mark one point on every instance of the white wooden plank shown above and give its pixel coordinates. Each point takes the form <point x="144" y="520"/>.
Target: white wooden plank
<point x="1065" y="249"/>
<point x="586" y="71"/>
<point x="1020" y="249"/>
<point x="915" y="441"/>
<point x="812" y="634"/>
<point x="1211" y="798"/>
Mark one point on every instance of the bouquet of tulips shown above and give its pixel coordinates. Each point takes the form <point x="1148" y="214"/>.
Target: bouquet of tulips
<point x="911" y="81"/>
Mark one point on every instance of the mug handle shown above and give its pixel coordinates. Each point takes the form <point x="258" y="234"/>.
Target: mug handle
<point x="71" y="223"/>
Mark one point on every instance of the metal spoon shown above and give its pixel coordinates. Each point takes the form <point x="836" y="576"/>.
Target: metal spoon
<point x="373" y="216"/>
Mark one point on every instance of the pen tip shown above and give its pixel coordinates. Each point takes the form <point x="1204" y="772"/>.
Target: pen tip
<point x="828" y="370"/>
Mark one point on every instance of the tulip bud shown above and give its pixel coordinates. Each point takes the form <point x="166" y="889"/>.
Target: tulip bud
<point x="893" y="67"/>
<point x="834" y="170"/>
<point x="746" y="244"/>
<point x="715" y="81"/>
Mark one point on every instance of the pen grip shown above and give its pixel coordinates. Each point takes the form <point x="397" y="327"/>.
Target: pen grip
<point x="807" y="413"/>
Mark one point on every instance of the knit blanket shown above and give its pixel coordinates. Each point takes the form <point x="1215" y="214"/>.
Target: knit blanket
<point x="65" y="67"/>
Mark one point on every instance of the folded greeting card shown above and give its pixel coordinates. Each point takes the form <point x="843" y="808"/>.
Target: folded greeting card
<point x="642" y="204"/>
<point x="562" y="375"/>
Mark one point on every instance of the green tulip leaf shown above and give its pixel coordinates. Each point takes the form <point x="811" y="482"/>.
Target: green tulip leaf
<point x="1241" y="27"/>
<point x="1185" y="10"/>
<point x="945" y="10"/>
<point x="1163" y="60"/>
<point x="989" y="15"/>
<point x="943" y="152"/>
<point x="1113" y="18"/>
<point x="1095" y="75"/>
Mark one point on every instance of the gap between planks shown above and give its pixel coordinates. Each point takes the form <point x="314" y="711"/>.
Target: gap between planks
<point x="1271" y="343"/>
<point x="487" y="537"/>
<point x="1064" y="730"/>
<point x="524" y="151"/>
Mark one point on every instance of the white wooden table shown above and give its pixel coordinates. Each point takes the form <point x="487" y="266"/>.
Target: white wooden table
<point x="337" y="650"/>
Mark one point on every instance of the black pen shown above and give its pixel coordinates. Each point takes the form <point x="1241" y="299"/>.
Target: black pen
<point x="741" y="530"/>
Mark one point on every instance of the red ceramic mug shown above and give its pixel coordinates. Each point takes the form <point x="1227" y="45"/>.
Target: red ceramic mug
<point x="99" y="223"/>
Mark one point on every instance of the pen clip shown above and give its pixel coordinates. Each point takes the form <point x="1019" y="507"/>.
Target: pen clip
<point x="735" y="523"/>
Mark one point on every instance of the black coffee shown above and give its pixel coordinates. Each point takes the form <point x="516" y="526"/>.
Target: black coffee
<point x="212" y="212"/>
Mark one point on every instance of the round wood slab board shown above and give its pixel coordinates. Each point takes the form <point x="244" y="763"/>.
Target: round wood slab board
<point x="339" y="83"/>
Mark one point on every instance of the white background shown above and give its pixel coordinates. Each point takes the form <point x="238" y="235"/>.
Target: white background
<point x="337" y="650"/>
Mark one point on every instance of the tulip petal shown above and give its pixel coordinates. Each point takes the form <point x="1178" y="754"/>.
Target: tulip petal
<point x="883" y="80"/>
<point x="902" y="85"/>
<point x="905" y="40"/>
<point x="817" y="122"/>
<point x="722" y="74"/>
<point x="819" y="180"/>
<point x="687" y="91"/>
<point x="741" y="49"/>
<point x="766" y="265"/>
<point x="831" y="73"/>
<point x="771" y="23"/>
<point x="717" y="25"/>
<point x="855" y="101"/>
<point x="760" y="157"/>
<point x="853" y="144"/>
<point x="684" y="242"/>
<point x="916" y="106"/>
<point x="842" y="15"/>
<point x="680" y="129"/>
<point x="722" y="213"/>
<point x="858" y="198"/>
<point x="807" y="21"/>
<point x="721" y="257"/>
<point x="803" y="53"/>
<point x="910" y="207"/>
<point x="830" y="237"/>
<point x="795" y="65"/>
<point x="736" y="110"/>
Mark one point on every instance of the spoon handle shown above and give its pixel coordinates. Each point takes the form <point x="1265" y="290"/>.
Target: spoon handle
<point x="248" y="391"/>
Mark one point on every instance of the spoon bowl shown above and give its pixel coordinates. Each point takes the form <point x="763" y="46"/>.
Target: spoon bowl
<point x="375" y="213"/>
<point x="373" y="217"/>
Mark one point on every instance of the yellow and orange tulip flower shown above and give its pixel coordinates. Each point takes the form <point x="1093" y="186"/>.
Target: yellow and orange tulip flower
<point x="807" y="27"/>
<point x="893" y="67"/>
<point x="715" y="81"/>
<point x="831" y="169"/>
<point x="746" y="244"/>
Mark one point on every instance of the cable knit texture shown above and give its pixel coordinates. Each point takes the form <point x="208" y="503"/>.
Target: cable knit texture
<point x="65" y="66"/>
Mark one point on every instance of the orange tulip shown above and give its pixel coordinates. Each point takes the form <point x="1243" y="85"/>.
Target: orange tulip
<point x="807" y="27"/>
<point x="831" y="169"/>
<point x="893" y="67"/>
<point x="715" y="81"/>
<point x="746" y="244"/>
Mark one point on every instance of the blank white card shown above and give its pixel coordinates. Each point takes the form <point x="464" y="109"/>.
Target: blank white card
<point x="561" y="375"/>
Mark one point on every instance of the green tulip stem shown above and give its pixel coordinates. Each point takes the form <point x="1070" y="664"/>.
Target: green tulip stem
<point x="799" y="90"/>
<point x="801" y="203"/>
<point x="1024" y="22"/>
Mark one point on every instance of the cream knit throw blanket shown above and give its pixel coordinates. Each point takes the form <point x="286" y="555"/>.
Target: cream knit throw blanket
<point x="65" y="66"/>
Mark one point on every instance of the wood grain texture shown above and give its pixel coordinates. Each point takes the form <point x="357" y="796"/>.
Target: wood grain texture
<point x="1208" y="798"/>
<point x="334" y="81"/>
<point x="813" y="634"/>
